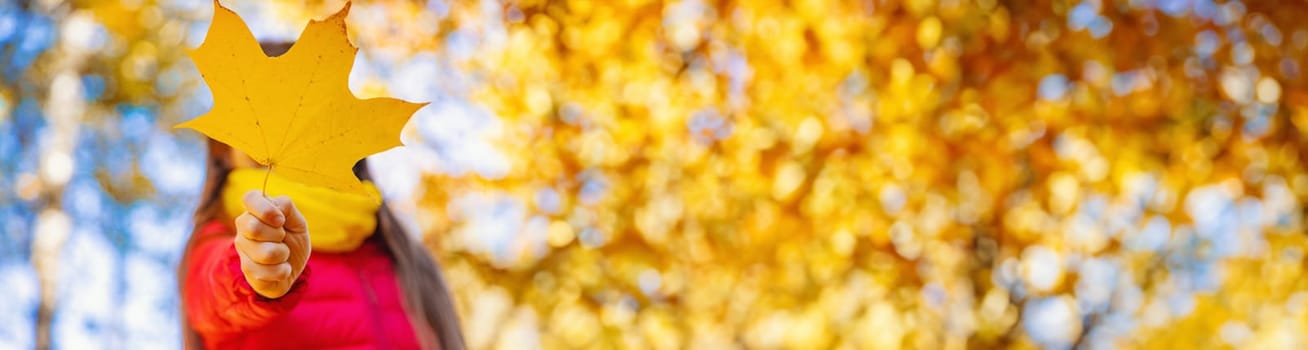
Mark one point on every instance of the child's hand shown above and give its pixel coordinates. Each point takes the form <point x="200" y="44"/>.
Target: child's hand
<point x="273" y="242"/>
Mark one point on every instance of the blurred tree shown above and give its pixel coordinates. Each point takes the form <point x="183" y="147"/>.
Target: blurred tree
<point x="882" y="174"/>
<point x="716" y="174"/>
<point x="81" y="155"/>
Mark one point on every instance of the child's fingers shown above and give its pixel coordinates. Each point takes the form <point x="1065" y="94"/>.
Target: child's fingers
<point x="264" y="272"/>
<point x="263" y="252"/>
<point x="294" y="220"/>
<point x="263" y="209"/>
<point x="255" y="230"/>
<point x="266" y="289"/>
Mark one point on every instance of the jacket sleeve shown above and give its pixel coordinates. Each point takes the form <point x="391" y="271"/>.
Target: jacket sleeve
<point x="218" y="300"/>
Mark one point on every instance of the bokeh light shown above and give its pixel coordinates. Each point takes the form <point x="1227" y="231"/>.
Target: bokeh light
<point x="717" y="174"/>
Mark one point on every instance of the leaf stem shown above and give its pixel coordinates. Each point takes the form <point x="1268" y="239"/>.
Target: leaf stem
<point x="265" y="181"/>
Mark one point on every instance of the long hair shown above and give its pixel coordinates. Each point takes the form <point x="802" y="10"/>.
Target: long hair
<point x="427" y="300"/>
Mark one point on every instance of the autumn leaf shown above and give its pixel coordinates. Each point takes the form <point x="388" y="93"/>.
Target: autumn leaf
<point x="294" y="113"/>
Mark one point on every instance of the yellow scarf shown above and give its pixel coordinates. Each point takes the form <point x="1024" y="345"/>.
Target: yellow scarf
<point x="338" y="221"/>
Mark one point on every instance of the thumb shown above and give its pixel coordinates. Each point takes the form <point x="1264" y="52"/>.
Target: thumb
<point x="295" y="222"/>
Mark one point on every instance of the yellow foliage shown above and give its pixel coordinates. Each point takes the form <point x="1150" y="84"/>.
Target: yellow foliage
<point x="294" y="112"/>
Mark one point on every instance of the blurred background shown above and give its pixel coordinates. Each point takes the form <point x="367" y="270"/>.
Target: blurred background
<point x="717" y="174"/>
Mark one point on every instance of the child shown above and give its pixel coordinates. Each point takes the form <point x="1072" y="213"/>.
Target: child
<point x="314" y="269"/>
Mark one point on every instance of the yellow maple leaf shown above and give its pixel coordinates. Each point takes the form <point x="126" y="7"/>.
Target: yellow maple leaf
<point x="295" y="112"/>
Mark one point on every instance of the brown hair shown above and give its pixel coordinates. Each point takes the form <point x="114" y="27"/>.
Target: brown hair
<point x="426" y="298"/>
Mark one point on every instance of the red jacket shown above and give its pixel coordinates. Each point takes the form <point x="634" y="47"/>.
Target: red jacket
<point x="341" y="301"/>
